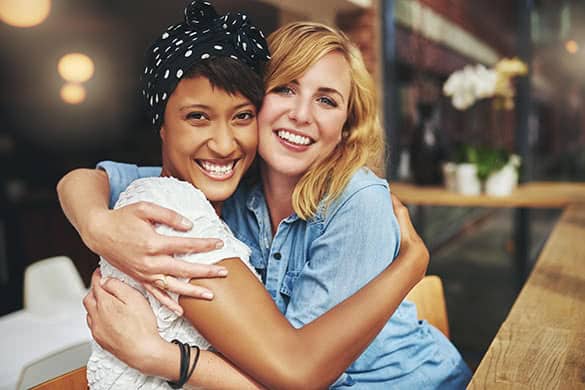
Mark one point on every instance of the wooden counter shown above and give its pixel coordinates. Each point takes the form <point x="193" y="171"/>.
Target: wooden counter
<point x="531" y="195"/>
<point x="541" y="344"/>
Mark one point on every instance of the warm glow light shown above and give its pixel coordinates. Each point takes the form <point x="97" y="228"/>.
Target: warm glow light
<point x="24" y="13"/>
<point x="73" y="93"/>
<point x="571" y="46"/>
<point x="75" y="67"/>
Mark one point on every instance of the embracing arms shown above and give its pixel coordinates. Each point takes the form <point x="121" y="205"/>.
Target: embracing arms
<point x="246" y="327"/>
<point x="127" y="238"/>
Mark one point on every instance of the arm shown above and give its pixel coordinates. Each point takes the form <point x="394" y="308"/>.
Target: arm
<point x="243" y="323"/>
<point x="126" y="236"/>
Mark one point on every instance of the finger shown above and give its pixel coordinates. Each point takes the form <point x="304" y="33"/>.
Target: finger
<point x="89" y="302"/>
<point x="162" y="215"/>
<point x="88" y="320"/>
<point x="396" y="203"/>
<point x="164" y="299"/>
<point x="171" y="245"/>
<point x="119" y="290"/>
<point x="168" y="265"/>
<point x="96" y="277"/>
<point x="188" y="289"/>
<point x="102" y="296"/>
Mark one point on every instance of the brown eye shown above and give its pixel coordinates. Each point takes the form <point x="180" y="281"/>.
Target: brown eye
<point x="196" y="115"/>
<point x="245" y="115"/>
<point x="283" y="90"/>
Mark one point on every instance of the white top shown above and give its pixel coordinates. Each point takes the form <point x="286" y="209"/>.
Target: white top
<point x="104" y="370"/>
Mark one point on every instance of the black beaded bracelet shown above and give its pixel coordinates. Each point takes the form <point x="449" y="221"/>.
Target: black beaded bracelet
<point x="185" y="371"/>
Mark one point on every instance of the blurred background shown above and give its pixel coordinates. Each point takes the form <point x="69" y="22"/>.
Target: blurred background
<point x="69" y="75"/>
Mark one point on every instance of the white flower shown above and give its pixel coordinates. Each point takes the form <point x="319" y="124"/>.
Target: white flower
<point x="470" y="84"/>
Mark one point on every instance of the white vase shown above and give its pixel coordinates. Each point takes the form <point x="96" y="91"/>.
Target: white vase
<point x="450" y="176"/>
<point x="466" y="180"/>
<point x="502" y="182"/>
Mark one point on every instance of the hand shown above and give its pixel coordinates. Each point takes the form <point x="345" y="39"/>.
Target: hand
<point x="127" y="239"/>
<point x="122" y="321"/>
<point x="411" y="244"/>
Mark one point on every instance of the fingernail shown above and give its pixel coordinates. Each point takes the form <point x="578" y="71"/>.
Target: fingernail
<point x="178" y="312"/>
<point x="219" y="245"/>
<point x="103" y="280"/>
<point x="186" y="223"/>
<point x="207" y="295"/>
<point x="222" y="272"/>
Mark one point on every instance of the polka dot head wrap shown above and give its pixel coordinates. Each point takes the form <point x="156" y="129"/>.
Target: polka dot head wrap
<point x="203" y="35"/>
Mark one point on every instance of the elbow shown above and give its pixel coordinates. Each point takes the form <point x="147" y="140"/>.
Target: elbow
<point x="299" y="375"/>
<point x="62" y="184"/>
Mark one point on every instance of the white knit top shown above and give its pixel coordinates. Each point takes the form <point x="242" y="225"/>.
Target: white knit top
<point x="104" y="370"/>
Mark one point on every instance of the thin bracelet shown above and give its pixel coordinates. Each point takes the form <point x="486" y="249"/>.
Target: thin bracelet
<point x="194" y="363"/>
<point x="185" y="351"/>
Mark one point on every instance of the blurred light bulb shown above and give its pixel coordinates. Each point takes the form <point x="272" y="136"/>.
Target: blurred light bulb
<point x="73" y="93"/>
<point x="572" y="46"/>
<point x="24" y="13"/>
<point x="76" y="67"/>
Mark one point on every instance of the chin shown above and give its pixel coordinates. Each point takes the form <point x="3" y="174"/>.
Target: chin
<point x="219" y="193"/>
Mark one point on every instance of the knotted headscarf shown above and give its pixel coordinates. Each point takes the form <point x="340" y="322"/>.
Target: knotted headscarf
<point x="203" y="35"/>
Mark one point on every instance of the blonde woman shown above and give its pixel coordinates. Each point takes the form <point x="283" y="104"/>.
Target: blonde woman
<point x="322" y="232"/>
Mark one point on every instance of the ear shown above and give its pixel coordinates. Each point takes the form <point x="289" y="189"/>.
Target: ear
<point x="162" y="133"/>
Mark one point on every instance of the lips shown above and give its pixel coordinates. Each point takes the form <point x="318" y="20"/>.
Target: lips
<point x="217" y="169"/>
<point x="293" y="138"/>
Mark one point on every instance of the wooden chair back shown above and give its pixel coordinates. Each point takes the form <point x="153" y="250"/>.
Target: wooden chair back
<point x="73" y="380"/>
<point x="429" y="297"/>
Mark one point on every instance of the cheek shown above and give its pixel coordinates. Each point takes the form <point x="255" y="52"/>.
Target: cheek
<point x="269" y="112"/>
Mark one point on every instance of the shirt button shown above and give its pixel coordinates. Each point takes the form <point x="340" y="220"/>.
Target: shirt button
<point x="277" y="256"/>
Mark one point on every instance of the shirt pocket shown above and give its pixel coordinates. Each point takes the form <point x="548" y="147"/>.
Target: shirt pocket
<point x="288" y="282"/>
<point x="256" y="258"/>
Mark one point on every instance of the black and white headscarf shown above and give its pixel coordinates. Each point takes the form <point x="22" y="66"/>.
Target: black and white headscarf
<point x="203" y="35"/>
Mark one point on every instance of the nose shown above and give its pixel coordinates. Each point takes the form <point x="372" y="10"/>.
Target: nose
<point x="300" y="111"/>
<point x="222" y="141"/>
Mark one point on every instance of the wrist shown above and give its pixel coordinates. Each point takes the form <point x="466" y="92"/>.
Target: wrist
<point x="91" y="231"/>
<point x="161" y="359"/>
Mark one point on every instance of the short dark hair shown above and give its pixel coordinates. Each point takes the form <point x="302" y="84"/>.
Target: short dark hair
<point x="232" y="76"/>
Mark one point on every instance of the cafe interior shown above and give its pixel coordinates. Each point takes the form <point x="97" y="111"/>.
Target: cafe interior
<point x="483" y="111"/>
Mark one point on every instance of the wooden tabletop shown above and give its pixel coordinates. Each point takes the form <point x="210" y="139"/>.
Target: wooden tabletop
<point x="533" y="194"/>
<point x="541" y="344"/>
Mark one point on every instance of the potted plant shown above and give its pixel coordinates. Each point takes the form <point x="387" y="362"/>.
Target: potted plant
<point x="495" y="170"/>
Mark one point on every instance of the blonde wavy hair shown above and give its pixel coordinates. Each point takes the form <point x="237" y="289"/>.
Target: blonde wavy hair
<point x="296" y="47"/>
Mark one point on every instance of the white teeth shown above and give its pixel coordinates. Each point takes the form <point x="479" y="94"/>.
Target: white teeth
<point x="294" y="138"/>
<point x="217" y="169"/>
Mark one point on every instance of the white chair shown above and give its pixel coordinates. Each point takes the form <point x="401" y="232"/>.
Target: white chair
<point x="50" y="284"/>
<point x="55" y="365"/>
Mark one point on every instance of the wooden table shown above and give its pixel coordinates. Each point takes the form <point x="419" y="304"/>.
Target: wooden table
<point x="531" y="195"/>
<point x="541" y="344"/>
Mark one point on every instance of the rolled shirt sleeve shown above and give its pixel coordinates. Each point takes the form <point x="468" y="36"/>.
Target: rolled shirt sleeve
<point x="120" y="175"/>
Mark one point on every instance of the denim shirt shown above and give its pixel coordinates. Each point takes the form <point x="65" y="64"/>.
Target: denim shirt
<point x="310" y="266"/>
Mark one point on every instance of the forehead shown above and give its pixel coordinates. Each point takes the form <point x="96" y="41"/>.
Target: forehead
<point x="331" y="71"/>
<point x="198" y="90"/>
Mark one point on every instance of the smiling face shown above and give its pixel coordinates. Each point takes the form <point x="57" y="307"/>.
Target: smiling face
<point x="209" y="137"/>
<point x="300" y="123"/>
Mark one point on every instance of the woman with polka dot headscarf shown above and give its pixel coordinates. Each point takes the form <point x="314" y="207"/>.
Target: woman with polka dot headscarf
<point x="318" y="131"/>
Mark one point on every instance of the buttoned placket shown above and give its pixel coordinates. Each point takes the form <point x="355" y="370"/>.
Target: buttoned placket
<point x="277" y="261"/>
<point x="273" y="248"/>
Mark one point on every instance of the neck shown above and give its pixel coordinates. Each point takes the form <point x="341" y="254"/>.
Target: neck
<point x="278" y="189"/>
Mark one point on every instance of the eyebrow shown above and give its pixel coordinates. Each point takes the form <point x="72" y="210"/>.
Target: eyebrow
<point x="325" y="90"/>
<point x="206" y="107"/>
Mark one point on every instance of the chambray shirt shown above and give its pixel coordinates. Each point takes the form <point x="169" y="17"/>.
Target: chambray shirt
<point x="310" y="266"/>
